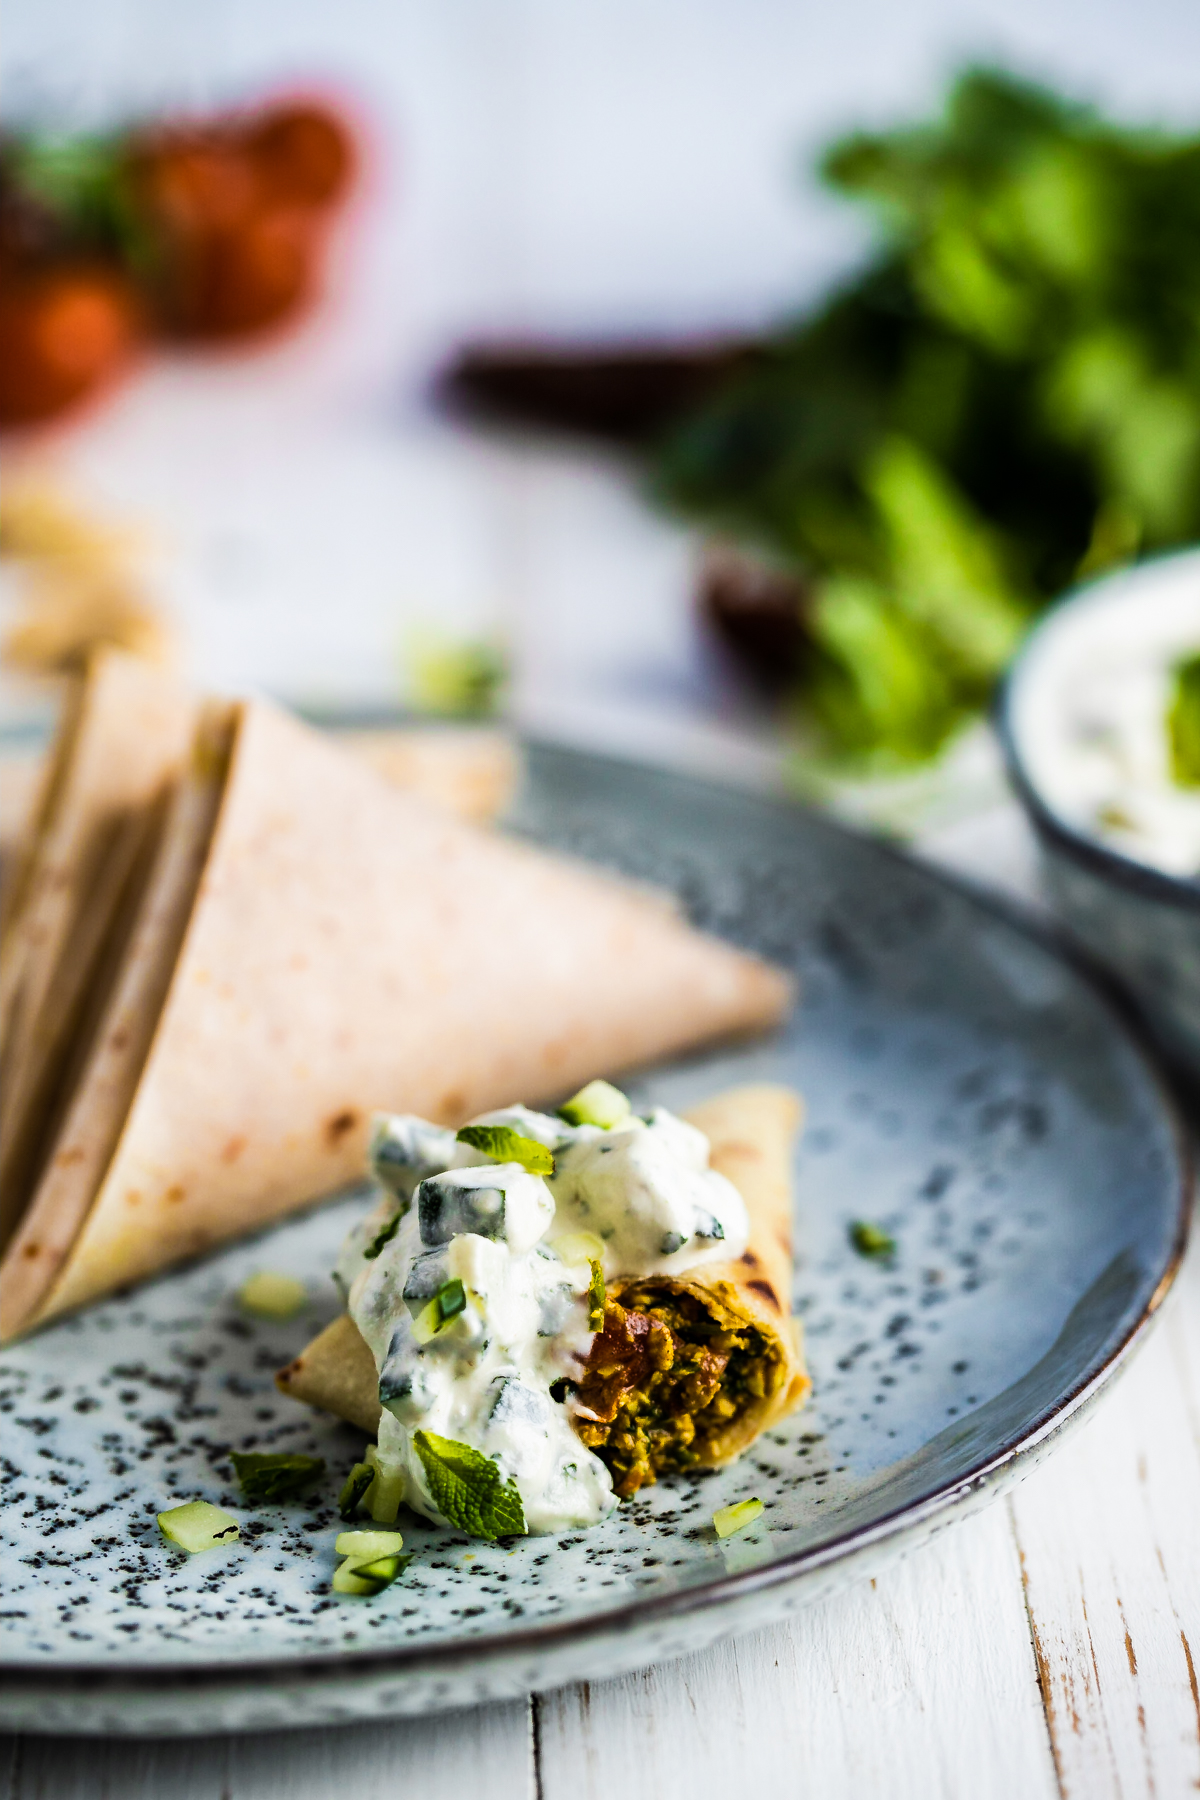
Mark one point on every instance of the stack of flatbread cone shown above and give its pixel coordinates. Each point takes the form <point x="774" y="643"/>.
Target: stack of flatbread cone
<point x="229" y="940"/>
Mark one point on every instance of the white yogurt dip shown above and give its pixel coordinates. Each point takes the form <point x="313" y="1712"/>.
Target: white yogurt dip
<point x="1089" y="714"/>
<point x="473" y="1282"/>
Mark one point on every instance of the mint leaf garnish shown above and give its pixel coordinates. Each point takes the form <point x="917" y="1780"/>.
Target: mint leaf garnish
<point x="504" y="1144"/>
<point x="385" y="1236"/>
<point x="466" y="1488"/>
<point x="1183" y="722"/>
<point x="275" y="1476"/>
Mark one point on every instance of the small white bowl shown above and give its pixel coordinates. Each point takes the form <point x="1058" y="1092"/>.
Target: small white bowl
<point x="1130" y="894"/>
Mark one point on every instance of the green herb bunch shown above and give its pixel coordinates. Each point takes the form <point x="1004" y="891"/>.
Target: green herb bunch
<point x="1006" y="400"/>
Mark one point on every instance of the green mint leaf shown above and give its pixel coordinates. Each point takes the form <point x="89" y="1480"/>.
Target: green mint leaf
<point x="466" y="1488"/>
<point x="275" y="1476"/>
<point x="503" y="1144"/>
<point x="871" y="1240"/>
<point x="385" y="1237"/>
<point x="357" y="1482"/>
<point x="1183" y="722"/>
<point x="596" y="1297"/>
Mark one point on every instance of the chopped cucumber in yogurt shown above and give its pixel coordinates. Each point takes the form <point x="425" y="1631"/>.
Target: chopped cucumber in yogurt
<point x="479" y="1297"/>
<point x="599" y="1103"/>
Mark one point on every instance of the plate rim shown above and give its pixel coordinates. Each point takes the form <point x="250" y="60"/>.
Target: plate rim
<point x="453" y="1655"/>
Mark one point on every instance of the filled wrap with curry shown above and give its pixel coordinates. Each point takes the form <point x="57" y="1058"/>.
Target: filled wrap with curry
<point x="633" y="1315"/>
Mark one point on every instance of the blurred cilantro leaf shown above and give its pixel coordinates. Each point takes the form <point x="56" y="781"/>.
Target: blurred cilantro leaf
<point x="1005" y="400"/>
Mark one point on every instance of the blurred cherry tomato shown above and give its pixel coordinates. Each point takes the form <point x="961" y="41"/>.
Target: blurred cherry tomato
<point x="303" y="152"/>
<point x="64" y="333"/>
<point x="195" y="184"/>
<point x="259" y="274"/>
<point x="236" y="213"/>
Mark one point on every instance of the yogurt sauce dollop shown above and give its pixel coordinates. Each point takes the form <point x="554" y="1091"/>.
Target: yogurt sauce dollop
<point x="1090" y="713"/>
<point x="636" y="1199"/>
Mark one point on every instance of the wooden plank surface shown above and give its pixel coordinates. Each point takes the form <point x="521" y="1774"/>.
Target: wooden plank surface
<point x="920" y="1684"/>
<point x="1109" y="1537"/>
<point x="485" y="1751"/>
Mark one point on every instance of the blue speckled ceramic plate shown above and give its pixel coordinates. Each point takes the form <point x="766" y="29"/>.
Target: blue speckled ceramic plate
<point x="967" y="1089"/>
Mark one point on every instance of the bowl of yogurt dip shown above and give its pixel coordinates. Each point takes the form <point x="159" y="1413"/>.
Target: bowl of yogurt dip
<point x="1098" y="718"/>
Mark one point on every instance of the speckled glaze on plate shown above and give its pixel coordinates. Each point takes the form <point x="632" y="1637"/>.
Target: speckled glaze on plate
<point x="967" y="1089"/>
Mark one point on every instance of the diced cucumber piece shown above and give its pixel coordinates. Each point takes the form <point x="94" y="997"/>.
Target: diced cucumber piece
<point x="450" y="1204"/>
<point x="372" y="1561"/>
<point x="451" y="1299"/>
<point x="272" y="1296"/>
<point x="555" y="1306"/>
<point x="368" y="1544"/>
<point x="599" y="1103"/>
<point x="198" y="1526"/>
<point x="427" y="1275"/>
<point x="736" y="1517"/>
<point x="515" y="1403"/>
<point x="386" y="1492"/>
<point x="355" y="1490"/>
<point x="446" y="1305"/>
<point x="369" y="1578"/>
<point x="428" y="1322"/>
<point x="579" y="1247"/>
<point x="384" y="1236"/>
<point x="401" y="1150"/>
<point x="404" y="1383"/>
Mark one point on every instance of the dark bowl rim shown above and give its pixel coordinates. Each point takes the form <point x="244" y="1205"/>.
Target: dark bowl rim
<point x="1091" y="853"/>
<point x="451" y="1656"/>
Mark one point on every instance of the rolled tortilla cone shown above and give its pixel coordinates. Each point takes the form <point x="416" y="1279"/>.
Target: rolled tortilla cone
<point x="471" y="770"/>
<point x="337" y="1373"/>
<point x="751" y="1132"/>
<point x="80" y="871"/>
<point x="649" y="1409"/>
<point x="346" y="949"/>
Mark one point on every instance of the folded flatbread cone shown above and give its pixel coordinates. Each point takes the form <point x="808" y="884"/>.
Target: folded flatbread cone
<point x="470" y="769"/>
<point x="345" y="948"/>
<point x="124" y="735"/>
<point x="751" y="1132"/>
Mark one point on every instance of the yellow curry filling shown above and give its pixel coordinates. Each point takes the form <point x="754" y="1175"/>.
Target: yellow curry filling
<point x="665" y="1378"/>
